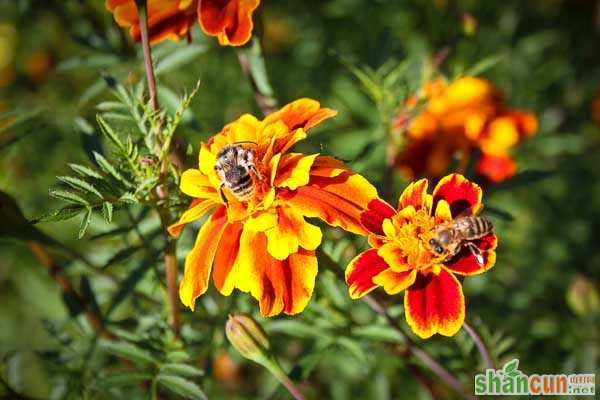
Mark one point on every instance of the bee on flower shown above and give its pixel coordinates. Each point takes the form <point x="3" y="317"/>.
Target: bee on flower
<point x="421" y="247"/>
<point x="228" y="20"/>
<point x="466" y="115"/>
<point x="259" y="193"/>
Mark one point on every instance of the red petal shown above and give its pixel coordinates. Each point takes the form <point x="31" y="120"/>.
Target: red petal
<point x="414" y="195"/>
<point x="466" y="263"/>
<point x="372" y="219"/>
<point x="360" y="273"/>
<point x="462" y="195"/>
<point x="435" y="304"/>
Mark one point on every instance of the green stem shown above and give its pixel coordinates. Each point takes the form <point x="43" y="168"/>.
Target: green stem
<point x="275" y="369"/>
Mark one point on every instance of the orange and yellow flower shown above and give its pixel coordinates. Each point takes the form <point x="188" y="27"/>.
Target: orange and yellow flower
<point x="264" y="245"/>
<point x="460" y="117"/>
<point x="400" y="258"/>
<point x="229" y="20"/>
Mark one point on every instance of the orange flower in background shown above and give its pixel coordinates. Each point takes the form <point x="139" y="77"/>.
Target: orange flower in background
<point x="460" y="117"/>
<point x="403" y="258"/>
<point x="229" y="20"/>
<point x="257" y="239"/>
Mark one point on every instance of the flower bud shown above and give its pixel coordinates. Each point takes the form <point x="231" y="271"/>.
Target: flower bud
<point x="248" y="338"/>
<point x="582" y="297"/>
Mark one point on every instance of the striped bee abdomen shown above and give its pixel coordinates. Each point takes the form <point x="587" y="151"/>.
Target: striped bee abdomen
<point x="478" y="227"/>
<point x="244" y="188"/>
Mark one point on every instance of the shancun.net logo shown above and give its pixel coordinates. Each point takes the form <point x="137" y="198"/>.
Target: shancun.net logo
<point x="510" y="381"/>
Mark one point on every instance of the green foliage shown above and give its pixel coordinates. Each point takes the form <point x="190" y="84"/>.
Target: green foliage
<point x="88" y="318"/>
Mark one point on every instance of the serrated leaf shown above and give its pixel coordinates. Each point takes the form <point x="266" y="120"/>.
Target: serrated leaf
<point x="180" y="369"/>
<point x="128" y="198"/>
<point x="129" y="352"/>
<point x="378" y="333"/>
<point x="80" y="184"/>
<point x="178" y="356"/>
<point x="111" y="106"/>
<point x="85" y="171"/>
<point x="85" y="222"/>
<point x="181" y="386"/>
<point x="62" y="214"/>
<point x="109" y="132"/>
<point x="109" y="169"/>
<point x="68" y="196"/>
<point x="107" y="211"/>
<point x="125" y="379"/>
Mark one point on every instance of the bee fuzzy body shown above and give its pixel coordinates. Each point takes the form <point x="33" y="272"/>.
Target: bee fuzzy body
<point x="448" y="239"/>
<point x="234" y="166"/>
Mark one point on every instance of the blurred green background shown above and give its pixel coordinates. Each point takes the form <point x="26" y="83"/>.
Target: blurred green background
<point x="539" y="304"/>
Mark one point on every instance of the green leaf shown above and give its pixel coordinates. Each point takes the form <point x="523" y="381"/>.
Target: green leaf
<point x="109" y="169"/>
<point x="111" y="106"/>
<point x="378" y="333"/>
<point x="62" y="214"/>
<point x="296" y="328"/>
<point x="181" y="386"/>
<point x="484" y="65"/>
<point x="179" y="57"/>
<point x="85" y="222"/>
<point x="68" y="196"/>
<point x="128" y="198"/>
<point x="85" y="171"/>
<point x="109" y="132"/>
<point x="125" y="379"/>
<point x="122" y="255"/>
<point x="129" y="284"/>
<point x="128" y="351"/>
<point x="80" y="184"/>
<point x="353" y="348"/>
<point x="178" y="356"/>
<point x="180" y="369"/>
<point x="107" y="211"/>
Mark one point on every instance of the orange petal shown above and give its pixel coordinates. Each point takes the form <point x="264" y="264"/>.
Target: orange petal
<point x="496" y="168"/>
<point x="327" y="166"/>
<point x="279" y="286"/>
<point x="393" y="256"/>
<point x="414" y="195"/>
<point x="197" y="209"/>
<point x="167" y="19"/>
<point x="303" y="113"/>
<point x="225" y="258"/>
<point x="293" y="170"/>
<point x="361" y="271"/>
<point x="395" y="282"/>
<point x="290" y="233"/>
<point x="467" y="263"/>
<point x="229" y="20"/>
<point x="462" y="195"/>
<point x="435" y="304"/>
<point x="195" y="184"/>
<point x="199" y="260"/>
<point x="377" y="212"/>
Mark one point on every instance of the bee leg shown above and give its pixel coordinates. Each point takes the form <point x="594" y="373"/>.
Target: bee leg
<point x="476" y="253"/>
<point x="222" y="194"/>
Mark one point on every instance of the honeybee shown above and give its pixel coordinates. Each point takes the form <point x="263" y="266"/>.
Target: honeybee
<point x="449" y="238"/>
<point x="233" y="166"/>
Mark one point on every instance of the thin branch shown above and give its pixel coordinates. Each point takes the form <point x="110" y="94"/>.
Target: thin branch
<point x="485" y="354"/>
<point x="253" y="66"/>
<point x="170" y="243"/>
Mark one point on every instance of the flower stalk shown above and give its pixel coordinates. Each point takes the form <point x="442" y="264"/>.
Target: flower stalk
<point x="485" y="354"/>
<point x="253" y="66"/>
<point x="170" y="259"/>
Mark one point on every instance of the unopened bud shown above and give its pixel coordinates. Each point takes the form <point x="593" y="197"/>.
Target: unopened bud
<point x="248" y="338"/>
<point x="469" y="24"/>
<point x="583" y="297"/>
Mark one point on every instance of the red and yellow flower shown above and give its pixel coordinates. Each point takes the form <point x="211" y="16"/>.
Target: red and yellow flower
<point x="264" y="245"/>
<point x="229" y="20"/>
<point x="400" y="258"/>
<point x="460" y="117"/>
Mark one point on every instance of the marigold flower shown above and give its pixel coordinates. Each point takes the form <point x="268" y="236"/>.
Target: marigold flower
<point x="465" y="115"/>
<point x="229" y="20"/>
<point x="401" y="259"/>
<point x="264" y="245"/>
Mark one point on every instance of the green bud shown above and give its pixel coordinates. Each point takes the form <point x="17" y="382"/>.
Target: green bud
<point x="248" y="338"/>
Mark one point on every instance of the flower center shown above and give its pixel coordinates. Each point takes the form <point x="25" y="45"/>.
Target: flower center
<point x="412" y="235"/>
